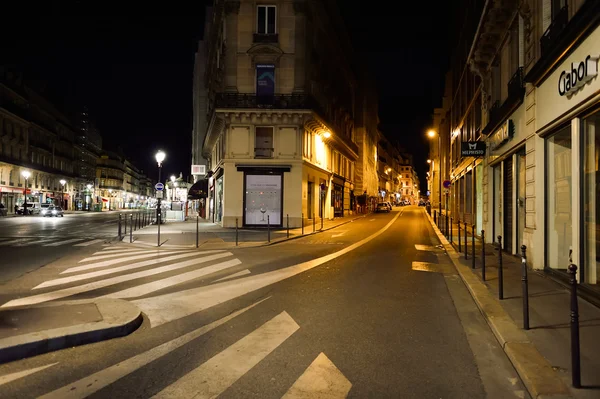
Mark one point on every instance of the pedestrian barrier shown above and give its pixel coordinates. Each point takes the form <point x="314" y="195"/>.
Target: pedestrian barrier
<point x="483" y="255"/>
<point x="500" y="271"/>
<point x="525" y="288"/>
<point x="575" y="347"/>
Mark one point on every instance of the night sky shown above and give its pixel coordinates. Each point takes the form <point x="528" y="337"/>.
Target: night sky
<point x="134" y="72"/>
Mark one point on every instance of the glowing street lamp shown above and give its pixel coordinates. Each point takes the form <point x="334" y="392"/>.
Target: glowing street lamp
<point x="172" y="189"/>
<point x="89" y="204"/>
<point x="26" y="174"/>
<point x="62" y="192"/>
<point x="160" y="157"/>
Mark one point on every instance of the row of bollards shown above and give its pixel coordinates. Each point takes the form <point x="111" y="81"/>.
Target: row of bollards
<point x="137" y="221"/>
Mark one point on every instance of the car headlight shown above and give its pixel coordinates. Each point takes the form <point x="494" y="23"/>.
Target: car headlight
<point x="43" y="212"/>
<point x="54" y="212"/>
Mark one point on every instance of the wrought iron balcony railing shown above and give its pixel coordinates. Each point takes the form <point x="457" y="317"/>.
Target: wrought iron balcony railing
<point x="554" y="30"/>
<point x="263" y="152"/>
<point x="277" y="101"/>
<point x="498" y="113"/>
<point x="266" y="38"/>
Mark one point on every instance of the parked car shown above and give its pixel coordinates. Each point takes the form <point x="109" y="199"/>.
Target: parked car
<point x="53" y="211"/>
<point x="389" y="204"/>
<point x="383" y="207"/>
<point x="33" y="208"/>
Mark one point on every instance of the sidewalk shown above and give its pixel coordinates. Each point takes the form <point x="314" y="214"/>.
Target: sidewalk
<point x="542" y="353"/>
<point x="31" y="331"/>
<point x="213" y="236"/>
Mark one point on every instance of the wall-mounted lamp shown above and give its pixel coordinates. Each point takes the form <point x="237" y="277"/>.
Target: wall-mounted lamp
<point x="326" y="134"/>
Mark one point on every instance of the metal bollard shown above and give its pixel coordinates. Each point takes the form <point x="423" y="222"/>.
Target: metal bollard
<point x="120" y="237"/>
<point x="451" y="224"/>
<point x="131" y="231"/>
<point x="466" y="242"/>
<point x="303" y="224"/>
<point x="473" y="247"/>
<point x="268" y="229"/>
<point x="314" y="221"/>
<point x="158" y="217"/>
<point x="575" y="348"/>
<point x="500" y="271"/>
<point x="447" y="227"/>
<point x="483" y="255"/>
<point x="434" y="217"/>
<point x="459" y="244"/>
<point x="197" y="229"/>
<point x="525" y="288"/>
<point x="125" y="220"/>
<point x="236" y="232"/>
<point x="287" y="218"/>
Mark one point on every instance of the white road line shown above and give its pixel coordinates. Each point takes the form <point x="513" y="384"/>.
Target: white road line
<point x="5" y="379"/>
<point x="35" y="242"/>
<point x="95" y="382"/>
<point x="234" y="275"/>
<point x="161" y="309"/>
<point x="117" y="249"/>
<point x="85" y="244"/>
<point x="59" y="243"/>
<point x="109" y="255"/>
<point x="19" y="240"/>
<point x="106" y="283"/>
<point x="220" y="372"/>
<point x="320" y="380"/>
<point x="99" y="273"/>
<point x="420" y="247"/>
<point x="124" y="258"/>
<point x="148" y="288"/>
<point x="371" y="220"/>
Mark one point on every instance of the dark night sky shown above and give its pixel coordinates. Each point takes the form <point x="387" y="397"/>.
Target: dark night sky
<point x="134" y="71"/>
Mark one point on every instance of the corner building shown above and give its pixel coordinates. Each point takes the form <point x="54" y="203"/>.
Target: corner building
<point x="282" y="126"/>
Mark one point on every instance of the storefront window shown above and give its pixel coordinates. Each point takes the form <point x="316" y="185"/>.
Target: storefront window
<point x="219" y="200"/>
<point x="559" y="211"/>
<point x="591" y="201"/>
<point x="263" y="198"/>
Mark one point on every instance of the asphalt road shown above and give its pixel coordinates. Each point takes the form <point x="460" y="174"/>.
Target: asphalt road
<point x="29" y="242"/>
<point x="371" y="309"/>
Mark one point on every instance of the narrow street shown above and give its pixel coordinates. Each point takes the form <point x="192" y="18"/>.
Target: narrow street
<point x="371" y="309"/>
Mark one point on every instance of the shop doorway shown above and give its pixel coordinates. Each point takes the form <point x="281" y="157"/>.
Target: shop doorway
<point x="309" y="200"/>
<point x="508" y="205"/>
<point x="520" y="197"/>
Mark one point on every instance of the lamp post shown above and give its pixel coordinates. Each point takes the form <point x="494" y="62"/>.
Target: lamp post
<point x="89" y="204"/>
<point x="26" y="174"/>
<point x="110" y="199"/>
<point x="432" y="134"/>
<point x="172" y="189"/>
<point x="160" y="157"/>
<point x="62" y="192"/>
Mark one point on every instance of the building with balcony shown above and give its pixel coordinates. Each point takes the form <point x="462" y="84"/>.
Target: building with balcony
<point x="524" y="82"/>
<point x="282" y="101"/>
<point x="34" y="137"/>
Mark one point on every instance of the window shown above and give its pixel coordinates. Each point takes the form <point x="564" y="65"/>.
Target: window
<point x="263" y="147"/>
<point x="266" y="20"/>
<point x="591" y="201"/>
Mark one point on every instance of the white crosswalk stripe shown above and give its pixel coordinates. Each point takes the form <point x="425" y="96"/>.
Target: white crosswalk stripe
<point x="50" y="241"/>
<point x="85" y="244"/>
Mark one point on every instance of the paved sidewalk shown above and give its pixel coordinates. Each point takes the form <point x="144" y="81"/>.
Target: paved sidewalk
<point x="31" y="331"/>
<point x="213" y="236"/>
<point x="549" y="318"/>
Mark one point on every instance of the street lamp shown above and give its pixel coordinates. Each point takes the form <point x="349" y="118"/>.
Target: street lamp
<point x="62" y="192"/>
<point x="173" y="189"/>
<point x="26" y="174"/>
<point x="432" y="134"/>
<point x="89" y="187"/>
<point x="160" y="157"/>
<point x="110" y="196"/>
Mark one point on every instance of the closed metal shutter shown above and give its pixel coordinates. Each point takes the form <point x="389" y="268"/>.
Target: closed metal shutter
<point x="508" y="204"/>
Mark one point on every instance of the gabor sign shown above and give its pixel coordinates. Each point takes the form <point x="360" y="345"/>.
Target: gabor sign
<point x="571" y="81"/>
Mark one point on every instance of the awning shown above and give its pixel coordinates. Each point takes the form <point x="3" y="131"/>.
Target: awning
<point x="199" y="189"/>
<point x="104" y="199"/>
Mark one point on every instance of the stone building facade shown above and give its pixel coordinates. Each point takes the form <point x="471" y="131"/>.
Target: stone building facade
<point x="286" y="123"/>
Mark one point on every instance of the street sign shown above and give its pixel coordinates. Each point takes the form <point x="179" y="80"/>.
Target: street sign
<point x="159" y="186"/>
<point x="447" y="183"/>
<point x="159" y="195"/>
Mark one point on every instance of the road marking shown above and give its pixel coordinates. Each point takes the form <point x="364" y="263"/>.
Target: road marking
<point x="95" y="382"/>
<point x="105" y="255"/>
<point x="168" y="307"/>
<point x="153" y="286"/>
<point x="107" y="282"/>
<point x="238" y="274"/>
<point x="117" y="249"/>
<point x="19" y="240"/>
<point x="85" y="244"/>
<point x="220" y="372"/>
<point x="371" y="220"/>
<point x="125" y="258"/>
<point x="420" y="247"/>
<point x="320" y="380"/>
<point x="59" y="243"/>
<point x="85" y="276"/>
<point x="339" y="234"/>
<point x="5" y="379"/>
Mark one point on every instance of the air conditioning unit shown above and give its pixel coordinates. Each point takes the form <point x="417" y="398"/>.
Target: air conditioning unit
<point x="198" y="170"/>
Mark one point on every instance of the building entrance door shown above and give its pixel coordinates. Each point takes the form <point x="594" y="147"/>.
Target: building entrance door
<point x="309" y="200"/>
<point x="508" y="205"/>
<point x="520" y="198"/>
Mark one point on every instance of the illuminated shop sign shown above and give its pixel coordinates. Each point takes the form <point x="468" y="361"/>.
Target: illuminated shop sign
<point x="571" y="81"/>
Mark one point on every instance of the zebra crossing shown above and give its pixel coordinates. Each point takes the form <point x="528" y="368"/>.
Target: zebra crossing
<point x="219" y="371"/>
<point x="12" y="242"/>
<point x="144" y="270"/>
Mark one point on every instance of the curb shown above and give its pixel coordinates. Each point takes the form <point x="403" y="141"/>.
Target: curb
<point x="193" y="246"/>
<point x="119" y="318"/>
<point x="537" y="374"/>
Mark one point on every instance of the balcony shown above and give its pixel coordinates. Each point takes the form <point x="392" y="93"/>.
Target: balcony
<point x="554" y="31"/>
<point x="277" y="101"/>
<point x="263" y="152"/>
<point x="266" y="38"/>
<point x="498" y="113"/>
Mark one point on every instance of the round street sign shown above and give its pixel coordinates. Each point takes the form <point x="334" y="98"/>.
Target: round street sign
<point x="159" y="186"/>
<point x="447" y="183"/>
